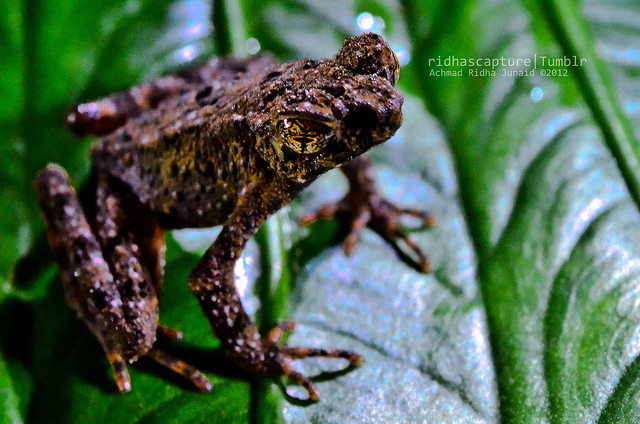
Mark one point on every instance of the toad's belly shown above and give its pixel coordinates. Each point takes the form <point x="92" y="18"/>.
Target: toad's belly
<point x="181" y="204"/>
<point x="204" y="206"/>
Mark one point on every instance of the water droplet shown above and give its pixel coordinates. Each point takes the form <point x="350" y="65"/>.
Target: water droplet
<point x="187" y="53"/>
<point x="378" y="24"/>
<point x="632" y="107"/>
<point x="253" y="46"/>
<point x="365" y="21"/>
<point x="402" y="55"/>
<point x="193" y="30"/>
<point x="536" y="94"/>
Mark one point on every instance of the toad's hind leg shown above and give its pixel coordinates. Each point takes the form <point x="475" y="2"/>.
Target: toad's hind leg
<point x="105" y="115"/>
<point x="109" y="275"/>
<point x="133" y="244"/>
<point x="146" y="236"/>
<point x="88" y="283"/>
<point x="119" y="221"/>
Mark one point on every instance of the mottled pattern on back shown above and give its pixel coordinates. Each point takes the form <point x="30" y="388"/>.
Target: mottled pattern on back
<point x="182" y="159"/>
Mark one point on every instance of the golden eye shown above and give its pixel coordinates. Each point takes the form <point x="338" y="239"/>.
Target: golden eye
<point x="396" y="69"/>
<point x="304" y="135"/>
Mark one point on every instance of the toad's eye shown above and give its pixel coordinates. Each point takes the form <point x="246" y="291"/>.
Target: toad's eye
<point x="396" y="69"/>
<point x="304" y="135"/>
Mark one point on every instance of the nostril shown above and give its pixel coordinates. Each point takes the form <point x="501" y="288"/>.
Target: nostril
<point x="362" y="117"/>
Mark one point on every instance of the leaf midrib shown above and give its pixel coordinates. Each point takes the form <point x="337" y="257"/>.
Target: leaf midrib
<point x="595" y="84"/>
<point x="574" y="39"/>
<point x="596" y="88"/>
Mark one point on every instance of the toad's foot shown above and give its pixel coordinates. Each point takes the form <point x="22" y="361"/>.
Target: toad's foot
<point x="182" y="369"/>
<point x="278" y="357"/>
<point x="364" y="207"/>
<point x="118" y="364"/>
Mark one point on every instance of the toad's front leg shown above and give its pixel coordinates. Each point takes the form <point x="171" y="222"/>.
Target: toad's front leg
<point x="363" y="206"/>
<point x="213" y="283"/>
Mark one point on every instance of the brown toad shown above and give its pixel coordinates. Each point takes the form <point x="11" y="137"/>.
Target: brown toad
<point x="229" y="142"/>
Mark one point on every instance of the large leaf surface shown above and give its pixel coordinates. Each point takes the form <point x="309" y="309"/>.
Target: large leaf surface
<point x="530" y="314"/>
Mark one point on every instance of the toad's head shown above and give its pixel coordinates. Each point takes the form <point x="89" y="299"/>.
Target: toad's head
<point x="311" y="116"/>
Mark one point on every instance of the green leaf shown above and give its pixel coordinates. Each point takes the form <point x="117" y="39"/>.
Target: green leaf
<point x="10" y="413"/>
<point x="530" y="313"/>
<point x="548" y="206"/>
<point x="16" y="382"/>
<point x="14" y="231"/>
